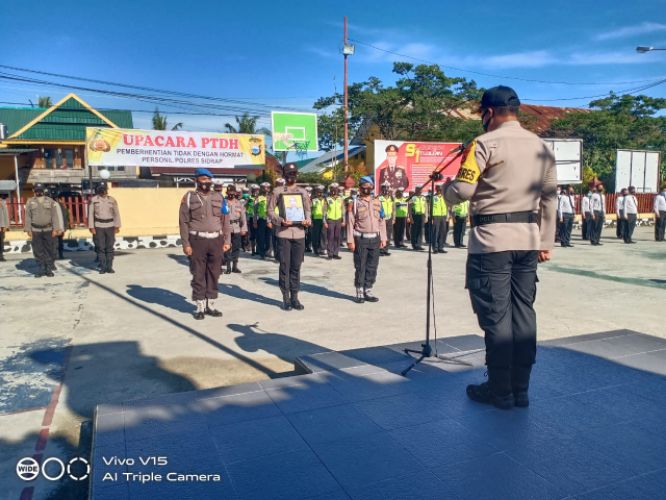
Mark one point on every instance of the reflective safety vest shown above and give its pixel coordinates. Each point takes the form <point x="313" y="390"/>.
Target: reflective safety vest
<point x="387" y="204"/>
<point x="401" y="209"/>
<point x="249" y="206"/>
<point x="317" y="208"/>
<point x="438" y="206"/>
<point x="334" y="208"/>
<point x="261" y="206"/>
<point x="461" y="209"/>
<point x="419" y="205"/>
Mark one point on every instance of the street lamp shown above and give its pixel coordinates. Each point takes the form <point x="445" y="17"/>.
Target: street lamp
<point x="643" y="49"/>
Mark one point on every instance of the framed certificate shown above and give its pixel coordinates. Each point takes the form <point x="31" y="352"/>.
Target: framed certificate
<point x="291" y="207"/>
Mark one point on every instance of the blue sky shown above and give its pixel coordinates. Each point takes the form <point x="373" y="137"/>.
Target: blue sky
<point x="288" y="53"/>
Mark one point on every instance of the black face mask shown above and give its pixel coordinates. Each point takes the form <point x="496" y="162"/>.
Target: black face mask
<point x="204" y="187"/>
<point x="366" y="191"/>
<point x="39" y="194"/>
<point x="231" y="196"/>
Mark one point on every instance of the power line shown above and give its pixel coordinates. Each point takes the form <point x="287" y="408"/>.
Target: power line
<point x="505" y="77"/>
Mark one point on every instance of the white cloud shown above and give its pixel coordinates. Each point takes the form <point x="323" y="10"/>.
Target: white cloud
<point x="628" y="31"/>
<point x="531" y="59"/>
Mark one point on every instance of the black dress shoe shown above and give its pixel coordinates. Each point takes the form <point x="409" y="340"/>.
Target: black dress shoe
<point x="213" y="312"/>
<point x="199" y="315"/>
<point x="295" y="303"/>
<point x="481" y="393"/>
<point x="49" y="274"/>
<point x="337" y="257"/>
<point x="102" y="271"/>
<point x="521" y="400"/>
<point x="110" y="270"/>
<point x="435" y="251"/>
<point x="442" y="250"/>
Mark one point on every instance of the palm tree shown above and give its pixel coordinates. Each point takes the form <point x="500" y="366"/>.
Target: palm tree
<point x="245" y="124"/>
<point x="159" y="121"/>
<point x="44" y="102"/>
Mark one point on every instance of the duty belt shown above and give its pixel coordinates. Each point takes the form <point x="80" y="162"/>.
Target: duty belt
<point x="513" y="217"/>
<point x="42" y="226"/>
<point x="103" y="221"/>
<point x="203" y="234"/>
<point x="235" y="221"/>
<point x="358" y="234"/>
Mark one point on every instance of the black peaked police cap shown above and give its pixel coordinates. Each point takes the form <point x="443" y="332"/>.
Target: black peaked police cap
<point x="289" y="168"/>
<point x="499" y="96"/>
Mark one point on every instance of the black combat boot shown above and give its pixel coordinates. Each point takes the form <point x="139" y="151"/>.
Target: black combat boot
<point x="496" y="392"/>
<point x="360" y="297"/>
<point x="235" y="269"/>
<point x="41" y="271"/>
<point x="109" y="268"/>
<point x="210" y="309"/>
<point x="295" y="303"/>
<point x="286" y="301"/>
<point x="228" y="269"/>
<point x="520" y="382"/>
<point x="369" y="296"/>
<point x="201" y="308"/>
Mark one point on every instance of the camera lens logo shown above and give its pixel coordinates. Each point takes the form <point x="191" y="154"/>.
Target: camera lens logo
<point x="27" y="468"/>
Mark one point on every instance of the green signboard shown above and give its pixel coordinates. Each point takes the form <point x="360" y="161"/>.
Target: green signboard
<point x="294" y="131"/>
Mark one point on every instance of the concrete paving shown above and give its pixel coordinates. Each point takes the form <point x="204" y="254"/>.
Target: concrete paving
<point x="82" y="339"/>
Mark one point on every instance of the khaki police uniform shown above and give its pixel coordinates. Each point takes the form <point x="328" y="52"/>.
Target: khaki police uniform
<point x="104" y="218"/>
<point x="206" y="229"/>
<point x="4" y="226"/>
<point x="366" y="229"/>
<point x="43" y="221"/>
<point x="238" y="222"/>
<point x="509" y="175"/>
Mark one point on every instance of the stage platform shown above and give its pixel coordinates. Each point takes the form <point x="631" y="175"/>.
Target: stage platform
<point x="352" y="427"/>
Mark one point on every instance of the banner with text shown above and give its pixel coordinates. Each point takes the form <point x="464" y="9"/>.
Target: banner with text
<point x="107" y="147"/>
<point x="409" y="164"/>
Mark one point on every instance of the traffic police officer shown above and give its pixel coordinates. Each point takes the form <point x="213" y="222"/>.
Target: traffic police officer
<point x="318" y="216"/>
<point x="205" y="233"/>
<point x="4" y="226"/>
<point x="509" y="175"/>
<point x="42" y="223"/>
<point x="238" y="223"/>
<point x="440" y="221"/>
<point x="387" y="204"/>
<point x="104" y="224"/>
<point x="460" y="212"/>
<point x="333" y="221"/>
<point x="250" y="207"/>
<point x="366" y="236"/>
<point x="400" y="219"/>
<point x="291" y="237"/>
<point x="418" y="216"/>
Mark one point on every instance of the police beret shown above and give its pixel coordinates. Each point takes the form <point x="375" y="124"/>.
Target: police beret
<point x="499" y="96"/>
<point x="203" y="172"/>
<point x="391" y="148"/>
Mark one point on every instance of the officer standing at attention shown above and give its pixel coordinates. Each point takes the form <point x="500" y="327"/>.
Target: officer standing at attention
<point x="509" y="175"/>
<point x="291" y="237"/>
<point x="238" y="224"/>
<point x="619" y="220"/>
<point x="318" y="216"/>
<point x="440" y="220"/>
<point x="400" y="218"/>
<point x="566" y="211"/>
<point x="244" y="196"/>
<point x="333" y="221"/>
<point x="249" y="212"/>
<point x="42" y="223"/>
<point x="67" y="224"/>
<point x="104" y="224"/>
<point x="279" y="183"/>
<point x="460" y="212"/>
<point x="586" y="216"/>
<point x="659" y="208"/>
<point x="598" y="209"/>
<point x="4" y="226"/>
<point x="387" y="202"/>
<point x="366" y="236"/>
<point x="629" y="215"/>
<point x="261" y="220"/>
<point x="206" y="234"/>
<point x="418" y="216"/>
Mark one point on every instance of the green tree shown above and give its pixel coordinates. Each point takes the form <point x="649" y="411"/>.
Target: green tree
<point x="615" y="122"/>
<point x="44" y="102"/>
<point x="160" y="122"/>
<point x="246" y="124"/>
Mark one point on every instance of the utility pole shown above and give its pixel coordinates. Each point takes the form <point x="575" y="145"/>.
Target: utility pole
<point x="347" y="50"/>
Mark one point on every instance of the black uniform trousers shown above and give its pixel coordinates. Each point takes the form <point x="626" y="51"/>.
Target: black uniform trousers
<point x="263" y="235"/>
<point x="42" y="248"/>
<point x="628" y="227"/>
<point x="333" y="236"/>
<point x="585" y="226"/>
<point x="440" y="230"/>
<point x="399" y="230"/>
<point x="417" y="229"/>
<point x="105" y="239"/>
<point x="502" y="288"/>
<point x="232" y="254"/>
<point x="459" y="231"/>
<point x="660" y="226"/>
<point x="2" y="244"/>
<point x="291" y="257"/>
<point x="565" y="229"/>
<point x="389" y="232"/>
<point x="253" y="236"/>
<point x="317" y="227"/>
<point x="205" y="263"/>
<point x="366" y="261"/>
<point x="597" y="226"/>
<point x="275" y="243"/>
<point x="619" y="228"/>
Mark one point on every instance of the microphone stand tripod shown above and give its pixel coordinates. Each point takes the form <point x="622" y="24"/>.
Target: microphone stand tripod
<point x="426" y="349"/>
